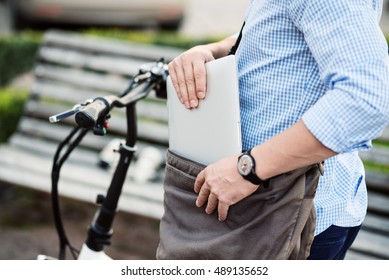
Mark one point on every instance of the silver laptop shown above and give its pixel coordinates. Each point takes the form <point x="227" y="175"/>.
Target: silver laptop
<point x="211" y="131"/>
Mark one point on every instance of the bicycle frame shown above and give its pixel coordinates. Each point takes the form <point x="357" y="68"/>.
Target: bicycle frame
<point x="150" y="77"/>
<point x="100" y="231"/>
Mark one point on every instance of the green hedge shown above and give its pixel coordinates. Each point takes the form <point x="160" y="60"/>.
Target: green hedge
<point x="11" y="108"/>
<point x="17" y="55"/>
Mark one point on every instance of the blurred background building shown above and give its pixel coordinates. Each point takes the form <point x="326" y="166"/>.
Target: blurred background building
<point x="192" y="17"/>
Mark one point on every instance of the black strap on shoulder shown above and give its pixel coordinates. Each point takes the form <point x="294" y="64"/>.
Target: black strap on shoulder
<point x="235" y="47"/>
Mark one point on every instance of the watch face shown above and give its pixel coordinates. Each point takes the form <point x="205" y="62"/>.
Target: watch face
<point x="245" y="165"/>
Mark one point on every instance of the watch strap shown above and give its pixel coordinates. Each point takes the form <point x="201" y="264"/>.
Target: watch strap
<point x="252" y="176"/>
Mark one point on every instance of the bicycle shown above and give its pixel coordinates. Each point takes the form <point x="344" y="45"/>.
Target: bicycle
<point x="93" y="115"/>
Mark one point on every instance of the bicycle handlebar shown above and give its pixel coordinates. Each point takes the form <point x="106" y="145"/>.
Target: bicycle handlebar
<point x="92" y="113"/>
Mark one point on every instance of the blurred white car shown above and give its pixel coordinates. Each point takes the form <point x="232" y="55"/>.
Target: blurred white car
<point x="161" y="13"/>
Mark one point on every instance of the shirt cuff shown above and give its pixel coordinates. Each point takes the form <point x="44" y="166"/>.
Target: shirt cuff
<point x="336" y="127"/>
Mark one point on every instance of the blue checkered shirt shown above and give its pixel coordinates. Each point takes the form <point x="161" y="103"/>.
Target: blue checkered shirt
<point x="327" y="63"/>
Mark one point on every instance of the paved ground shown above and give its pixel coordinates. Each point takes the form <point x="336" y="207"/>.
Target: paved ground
<point x="27" y="228"/>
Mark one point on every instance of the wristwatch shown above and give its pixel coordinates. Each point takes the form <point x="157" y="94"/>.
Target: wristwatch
<point x="246" y="168"/>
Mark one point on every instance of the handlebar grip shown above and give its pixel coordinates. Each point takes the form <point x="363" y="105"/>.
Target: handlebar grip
<point x="88" y="116"/>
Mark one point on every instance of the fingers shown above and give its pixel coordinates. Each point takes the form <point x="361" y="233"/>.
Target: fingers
<point x="188" y="80"/>
<point x="205" y="196"/>
<point x="199" y="181"/>
<point x="183" y="83"/>
<point x="222" y="208"/>
<point x="200" y="79"/>
<point x="188" y="76"/>
<point x="223" y="211"/>
<point x="220" y="186"/>
<point x="212" y="204"/>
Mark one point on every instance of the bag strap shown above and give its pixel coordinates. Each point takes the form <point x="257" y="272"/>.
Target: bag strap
<point x="235" y="47"/>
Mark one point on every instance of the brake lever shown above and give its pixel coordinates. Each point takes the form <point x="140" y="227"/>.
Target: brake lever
<point x="59" y="117"/>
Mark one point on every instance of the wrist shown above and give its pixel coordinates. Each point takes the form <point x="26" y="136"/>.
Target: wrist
<point x="260" y="167"/>
<point x="222" y="48"/>
<point x="247" y="169"/>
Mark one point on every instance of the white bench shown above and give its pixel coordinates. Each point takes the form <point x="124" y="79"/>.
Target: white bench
<point x="70" y="69"/>
<point x="373" y="240"/>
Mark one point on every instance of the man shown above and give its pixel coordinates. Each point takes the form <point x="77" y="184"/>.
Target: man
<point x="314" y="86"/>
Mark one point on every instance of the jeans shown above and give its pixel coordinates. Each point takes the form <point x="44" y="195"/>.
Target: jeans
<point x="333" y="243"/>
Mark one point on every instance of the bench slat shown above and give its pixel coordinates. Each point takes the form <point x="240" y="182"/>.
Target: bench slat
<point x="385" y="135"/>
<point x="43" y="130"/>
<point x="378" y="202"/>
<point x="378" y="181"/>
<point x="377" y="154"/>
<point x="150" y="108"/>
<point x="376" y="223"/>
<point x="147" y="129"/>
<point x="47" y="149"/>
<point x="109" y="46"/>
<point x="46" y="89"/>
<point x="372" y="243"/>
<point x="79" y="78"/>
<point x="34" y="171"/>
<point x="54" y="132"/>
<point x="115" y="64"/>
<point x="354" y="255"/>
<point x="145" y="111"/>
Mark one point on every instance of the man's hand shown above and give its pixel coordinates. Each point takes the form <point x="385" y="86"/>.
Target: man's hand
<point x="188" y="75"/>
<point x="220" y="185"/>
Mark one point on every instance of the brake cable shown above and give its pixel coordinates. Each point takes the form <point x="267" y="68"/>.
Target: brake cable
<point x="57" y="164"/>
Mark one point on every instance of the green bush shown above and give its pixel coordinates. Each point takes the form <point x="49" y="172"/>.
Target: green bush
<point x="11" y="107"/>
<point x="17" y="55"/>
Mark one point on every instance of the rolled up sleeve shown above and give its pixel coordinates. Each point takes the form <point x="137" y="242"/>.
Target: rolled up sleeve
<point x="352" y="56"/>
